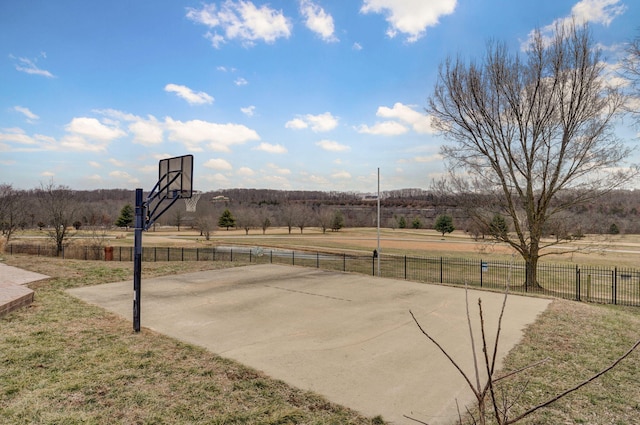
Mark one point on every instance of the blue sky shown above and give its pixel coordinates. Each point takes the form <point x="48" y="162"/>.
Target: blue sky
<point x="295" y="94"/>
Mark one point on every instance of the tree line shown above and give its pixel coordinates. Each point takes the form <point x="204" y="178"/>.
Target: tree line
<point x="51" y="206"/>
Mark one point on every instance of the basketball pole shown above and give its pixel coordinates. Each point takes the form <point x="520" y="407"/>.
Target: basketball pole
<point x="378" y="221"/>
<point x="137" y="260"/>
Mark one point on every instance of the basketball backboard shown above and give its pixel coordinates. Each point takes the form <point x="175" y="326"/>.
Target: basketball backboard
<point x="175" y="176"/>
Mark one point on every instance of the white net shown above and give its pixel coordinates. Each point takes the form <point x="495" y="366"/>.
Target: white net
<point x="193" y="201"/>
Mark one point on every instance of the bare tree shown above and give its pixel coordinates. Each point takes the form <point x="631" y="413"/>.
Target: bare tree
<point x="303" y="216"/>
<point x="12" y="212"/>
<point x="264" y="219"/>
<point x="205" y="224"/>
<point x="324" y="217"/>
<point x="631" y="69"/>
<point x="531" y="137"/>
<point x="246" y="218"/>
<point x="288" y="215"/>
<point x="59" y="205"/>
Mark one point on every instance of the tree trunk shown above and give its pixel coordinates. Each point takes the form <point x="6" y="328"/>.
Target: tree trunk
<point x="531" y="267"/>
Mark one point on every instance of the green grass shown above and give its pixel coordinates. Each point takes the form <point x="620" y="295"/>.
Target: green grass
<point x="63" y="361"/>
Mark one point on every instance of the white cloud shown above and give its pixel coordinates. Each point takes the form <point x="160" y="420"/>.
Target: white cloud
<point x="400" y="116"/>
<point x="240" y="82"/>
<point x="26" y="112"/>
<point x="315" y="179"/>
<point x="276" y="181"/>
<point x="420" y="122"/>
<point x="357" y="46"/>
<point x="245" y="172"/>
<point x="116" y="162"/>
<point x="218" y="164"/>
<point x="241" y="20"/>
<point x="17" y="135"/>
<point x="429" y="158"/>
<point x="123" y="175"/>
<point x="598" y="11"/>
<point x="296" y="124"/>
<point x="323" y="122"/>
<point x="344" y="175"/>
<point x="194" y="98"/>
<point x="218" y="179"/>
<point x="93" y="129"/>
<point x="269" y="148"/>
<point x="16" y="139"/>
<point x="95" y="164"/>
<point x="47" y="174"/>
<point x="89" y="134"/>
<point x="332" y="146"/>
<point x="278" y="170"/>
<point x="585" y="11"/>
<point x="215" y="39"/>
<point x="248" y="111"/>
<point x="317" y="20"/>
<point x="29" y="66"/>
<point x="386" y="128"/>
<point x="75" y="143"/>
<point x="318" y="123"/>
<point x="220" y="137"/>
<point x="410" y="17"/>
<point x="147" y="132"/>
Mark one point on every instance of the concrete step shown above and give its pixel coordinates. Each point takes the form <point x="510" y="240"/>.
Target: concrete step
<point x="13" y="297"/>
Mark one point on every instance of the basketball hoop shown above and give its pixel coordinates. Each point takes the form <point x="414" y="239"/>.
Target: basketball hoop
<point x="191" y="202"/>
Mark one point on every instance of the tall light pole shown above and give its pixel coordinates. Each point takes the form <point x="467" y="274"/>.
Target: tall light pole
<point x="378" y="197"/>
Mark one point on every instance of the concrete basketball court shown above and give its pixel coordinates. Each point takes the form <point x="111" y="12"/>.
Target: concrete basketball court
<point x="347" y="337"/>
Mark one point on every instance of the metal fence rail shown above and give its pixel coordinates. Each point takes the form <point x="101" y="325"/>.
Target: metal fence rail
<point x="607" y="285"/>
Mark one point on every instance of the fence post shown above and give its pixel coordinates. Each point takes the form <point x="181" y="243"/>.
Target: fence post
<point x="577" y="283"/>
<point x="231" y="255"/>
<point x="373" y="265"/>
<point x="250" y="255"/>
<point x="271" y="256"/>
<point x="481" y="273"/>
<point x="441" y="281"/>
<point x="615" y="286"/>
<point x="317" y="260"/>
<point x="293" y="258"/>
<point x="405" y="267"/>
<point x="197" y="254"/>
<point x="182" y="255"/>
<point x="344" y="262"/>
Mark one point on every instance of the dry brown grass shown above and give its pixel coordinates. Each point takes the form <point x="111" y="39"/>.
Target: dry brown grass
<point x="64" y="361"/>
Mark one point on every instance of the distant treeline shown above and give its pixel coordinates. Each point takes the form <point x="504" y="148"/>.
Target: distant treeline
<point x="415" y="207"/>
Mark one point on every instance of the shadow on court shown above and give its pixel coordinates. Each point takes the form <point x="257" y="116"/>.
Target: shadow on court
<point x="347" y="337"/>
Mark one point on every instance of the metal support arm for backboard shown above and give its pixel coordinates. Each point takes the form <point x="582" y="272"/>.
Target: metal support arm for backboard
<point x="175" y="178"/>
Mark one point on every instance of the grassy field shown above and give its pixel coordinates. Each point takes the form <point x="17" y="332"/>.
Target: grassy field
<point x="66" y="362"/>
<point x="601" y="250"/>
